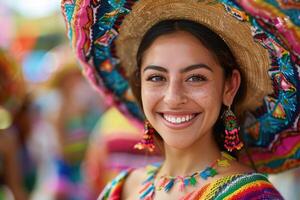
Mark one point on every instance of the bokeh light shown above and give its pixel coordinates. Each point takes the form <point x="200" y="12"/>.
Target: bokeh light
<point x="33" y="8"/>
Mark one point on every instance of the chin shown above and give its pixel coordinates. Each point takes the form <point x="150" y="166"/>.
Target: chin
<point x="178" y="144"/>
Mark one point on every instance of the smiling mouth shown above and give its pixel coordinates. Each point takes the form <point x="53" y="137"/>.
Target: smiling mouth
<point x="178" y="119"/>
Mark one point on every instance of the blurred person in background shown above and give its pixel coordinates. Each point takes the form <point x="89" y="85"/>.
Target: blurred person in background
<point x="43" y="144"/>
<point x="11" y="96"/>
<point x="23" y="124"/>
<point x="79" y="108"/>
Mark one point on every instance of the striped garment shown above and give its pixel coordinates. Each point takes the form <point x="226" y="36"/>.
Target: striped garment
<point x="250" y="186"/>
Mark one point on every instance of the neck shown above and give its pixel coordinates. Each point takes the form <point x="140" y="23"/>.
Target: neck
<point x="194" y="158"/>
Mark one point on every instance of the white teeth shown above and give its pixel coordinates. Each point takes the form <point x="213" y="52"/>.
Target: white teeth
<point x="183" y="119"/>
<point x="187" y="118"/>
<point x="173" y="120"/>
<point x="178" y="120"/>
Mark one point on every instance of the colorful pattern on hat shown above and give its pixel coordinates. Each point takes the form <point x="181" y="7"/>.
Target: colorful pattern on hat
<point x="272" y="133"/>
<point x="92" y="27"/>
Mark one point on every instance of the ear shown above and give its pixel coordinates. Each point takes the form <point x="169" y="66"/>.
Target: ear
<point x="231" y="87"/>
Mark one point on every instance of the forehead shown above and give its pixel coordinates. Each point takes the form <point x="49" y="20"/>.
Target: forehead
<point x="177" y="49"/>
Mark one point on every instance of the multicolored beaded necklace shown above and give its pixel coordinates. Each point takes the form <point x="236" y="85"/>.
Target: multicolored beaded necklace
<point x="166" y="183"/>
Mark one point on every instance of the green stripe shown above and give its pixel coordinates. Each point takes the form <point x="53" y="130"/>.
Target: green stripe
<point x="237" y="182"/>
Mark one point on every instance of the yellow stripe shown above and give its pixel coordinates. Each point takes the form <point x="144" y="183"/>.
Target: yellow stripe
<point x="256" y="183"/>
<point x="214" y="186"/>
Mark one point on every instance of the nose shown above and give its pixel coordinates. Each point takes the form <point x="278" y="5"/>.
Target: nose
<point x="175" y="94"/>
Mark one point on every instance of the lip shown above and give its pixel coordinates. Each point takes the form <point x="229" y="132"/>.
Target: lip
<point x="178" y="114"/>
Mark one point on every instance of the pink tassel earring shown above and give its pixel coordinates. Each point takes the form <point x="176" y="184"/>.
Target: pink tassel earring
<point x="148" y="138"/>
<point x="232" y="140"/>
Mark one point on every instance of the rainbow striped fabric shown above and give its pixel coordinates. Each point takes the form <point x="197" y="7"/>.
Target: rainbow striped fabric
<point x="113" y="190"/>
<point x="249" y="186"/>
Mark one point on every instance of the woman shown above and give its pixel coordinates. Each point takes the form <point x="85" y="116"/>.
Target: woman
<point x="191" y="68"/>
<point x="185" y="75"/>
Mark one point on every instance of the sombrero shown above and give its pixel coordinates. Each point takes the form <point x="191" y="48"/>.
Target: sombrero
<point x="106" y="34"/>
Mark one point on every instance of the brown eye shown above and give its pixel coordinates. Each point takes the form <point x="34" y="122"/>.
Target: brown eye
<point x="156" y="78"/>
<point x="196" y="78"/>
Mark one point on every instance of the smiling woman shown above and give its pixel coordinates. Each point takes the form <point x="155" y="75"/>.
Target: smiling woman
<point x="185" y="80"/>
<point x="194" y="70"/>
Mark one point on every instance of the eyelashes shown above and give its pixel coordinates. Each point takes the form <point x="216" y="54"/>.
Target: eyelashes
<point x="197" y="78"/>
<point x="192" y="78"/>
<point x="155" y="78"/>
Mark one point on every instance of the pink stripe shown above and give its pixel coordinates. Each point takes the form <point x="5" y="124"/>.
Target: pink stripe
<point x="81" y="37"/>
<point x="286" y="147"/>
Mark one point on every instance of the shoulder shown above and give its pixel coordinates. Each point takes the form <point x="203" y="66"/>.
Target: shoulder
<point x="248" y="186"/>
<point x="125" y="185"/>
<point x="133" y="183"/>
<point x="114" y="188"/>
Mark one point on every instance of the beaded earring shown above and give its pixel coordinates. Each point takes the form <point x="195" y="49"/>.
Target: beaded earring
<point x="232" y="140"/>
<point x="147" y="141"/>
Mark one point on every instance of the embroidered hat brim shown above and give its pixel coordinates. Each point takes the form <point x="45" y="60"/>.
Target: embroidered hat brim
<point x="272" y="132"/>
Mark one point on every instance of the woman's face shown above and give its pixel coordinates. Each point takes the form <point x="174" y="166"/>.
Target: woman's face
<point x="182" y="89"/>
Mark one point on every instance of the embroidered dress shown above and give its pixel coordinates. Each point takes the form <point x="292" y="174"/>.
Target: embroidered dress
<point x="247" y="186"/>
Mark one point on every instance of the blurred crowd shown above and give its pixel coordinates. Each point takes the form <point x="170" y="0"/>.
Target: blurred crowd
<point x="58" y="138"/>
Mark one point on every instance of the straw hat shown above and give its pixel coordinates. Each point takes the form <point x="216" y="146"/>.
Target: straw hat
<point x="253" y="58"/>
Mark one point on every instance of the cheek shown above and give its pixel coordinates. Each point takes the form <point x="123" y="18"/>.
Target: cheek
<point x="149" y="98"/>
<point x="207" y="94"/>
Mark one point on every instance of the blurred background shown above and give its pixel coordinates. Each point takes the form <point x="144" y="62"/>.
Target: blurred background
<point x="58" y="139"/>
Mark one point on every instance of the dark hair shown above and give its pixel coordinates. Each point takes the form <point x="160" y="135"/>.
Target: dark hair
<point x="212" y="41"/>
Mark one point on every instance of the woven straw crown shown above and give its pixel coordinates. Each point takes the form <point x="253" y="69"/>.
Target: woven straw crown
<point x="252" y="57"/>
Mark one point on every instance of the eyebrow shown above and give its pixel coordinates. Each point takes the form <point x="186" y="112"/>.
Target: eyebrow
<point x="187" y="69"/>
<point x="155" y="67"/>
<point x="196" y="66"/>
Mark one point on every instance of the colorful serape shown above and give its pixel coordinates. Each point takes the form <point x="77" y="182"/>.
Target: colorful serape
<point x="113" y="190"/>
<point x="243" y="186"/>
<point x="249" y="186"/>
